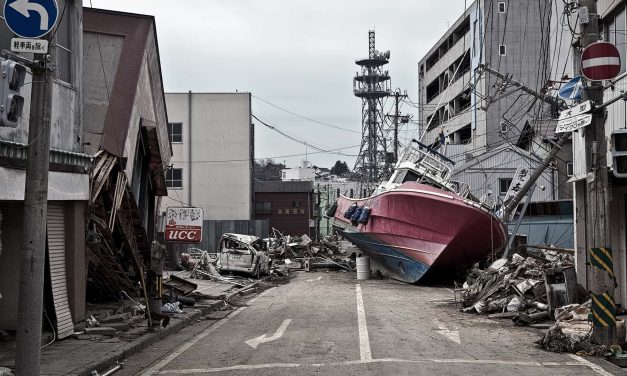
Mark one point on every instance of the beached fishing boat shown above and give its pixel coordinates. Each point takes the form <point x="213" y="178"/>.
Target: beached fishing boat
<point x="420" y="223"/>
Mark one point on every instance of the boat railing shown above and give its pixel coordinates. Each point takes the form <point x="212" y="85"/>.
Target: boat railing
<point x="429" y="163"/>
<point x="462" y="189"/>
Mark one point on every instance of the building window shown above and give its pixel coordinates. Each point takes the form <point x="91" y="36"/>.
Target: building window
<point x="283" y="174"/>
<point x="614" y="32"/>
<point x="503" y="127"/>
<point x="175" y="132"/>
<point x="475" y="37"/>
<point x="263" y="207"/>
<point x="296" y="204"/>
<point x="502" y="50"/>
<point x="504" y="185"/>
<point x="569" y="169"/>
<point x="501" y="7"/>
<point x="174" y="178"/>
<point x="63" y="40"/>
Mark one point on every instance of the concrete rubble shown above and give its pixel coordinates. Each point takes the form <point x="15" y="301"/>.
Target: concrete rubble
<point x="516" y="288"/>
<point x="538" y="290"/>
<point x="302" y="253"/>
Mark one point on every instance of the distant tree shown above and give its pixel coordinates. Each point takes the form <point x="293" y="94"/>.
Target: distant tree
<point x="340" y="168"/>
<point x="268" y="170"/>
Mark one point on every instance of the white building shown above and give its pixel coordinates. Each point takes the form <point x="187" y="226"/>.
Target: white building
<point x="303" y="172"/>
<point x="212" y="140"/>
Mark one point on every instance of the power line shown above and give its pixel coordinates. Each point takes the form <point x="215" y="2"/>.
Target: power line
<point x="303" y="116"/>
<point x="298" y="140"/>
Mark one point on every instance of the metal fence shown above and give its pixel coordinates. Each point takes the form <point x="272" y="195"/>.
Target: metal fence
<point x="213" y="230"/>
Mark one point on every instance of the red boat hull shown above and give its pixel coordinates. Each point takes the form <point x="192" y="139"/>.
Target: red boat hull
<point x="416" y="228"/>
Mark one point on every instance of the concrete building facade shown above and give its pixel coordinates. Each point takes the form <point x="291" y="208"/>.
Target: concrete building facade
<point x="212" y="139"/>
<point x="288" y="205"/>
<point x="475" y="112"/>
<point x="68" y="188"/>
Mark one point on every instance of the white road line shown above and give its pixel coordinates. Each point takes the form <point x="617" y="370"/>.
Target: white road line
<point x="453" y="335"/>
<point x="255" y="342"/>
<point x="184" y="347"/>
<point x="314" y="279"/>
<point x="384" y="360"/>
<point x="596" y="368"/>
<point x="364" y="341"/>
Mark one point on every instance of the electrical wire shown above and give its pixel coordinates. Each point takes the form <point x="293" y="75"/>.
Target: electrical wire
<point x="304" y="117"/>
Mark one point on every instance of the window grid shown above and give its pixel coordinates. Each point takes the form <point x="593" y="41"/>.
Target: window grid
<point x="175" y="132"/>
<point x="174" y="178"/>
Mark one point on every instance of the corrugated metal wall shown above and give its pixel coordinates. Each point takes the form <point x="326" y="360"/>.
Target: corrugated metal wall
<point x="485" y="175"/>
<point x="56" y="258"/>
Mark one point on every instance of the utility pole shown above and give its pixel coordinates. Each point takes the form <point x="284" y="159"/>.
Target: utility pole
<point x="31" y="287"/>
<point x="398" y="119"/>
<point x="597" y="201"/>
<point x="397" y="116"/>
<point x="509" y="206"/>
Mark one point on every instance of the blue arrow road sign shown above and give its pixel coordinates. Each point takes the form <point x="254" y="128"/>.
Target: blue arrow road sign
<point x="572" y="89"/>
<point x="31" y="18"/>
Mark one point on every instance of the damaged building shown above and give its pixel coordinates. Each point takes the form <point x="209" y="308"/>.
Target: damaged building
<point x="126" y="132"/>
<point x="68" y="187"/>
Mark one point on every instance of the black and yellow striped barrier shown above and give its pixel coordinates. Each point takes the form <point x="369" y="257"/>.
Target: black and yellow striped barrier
<point x="602" y="258"/>
<point x="603" y="310"/>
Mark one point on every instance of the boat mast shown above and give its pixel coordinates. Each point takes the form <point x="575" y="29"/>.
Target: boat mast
<point x="509" y="206"/>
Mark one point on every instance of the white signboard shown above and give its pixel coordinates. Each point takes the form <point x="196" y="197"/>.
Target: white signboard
<point x="573" y="123"/>
<point x="36" y="46"/>
<point x="183" y="225"/>
<point x="579" y="109"/>
<point x="520" y="178"/>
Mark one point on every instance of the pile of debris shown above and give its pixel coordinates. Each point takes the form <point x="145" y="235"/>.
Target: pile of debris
<point x="572" y="331"/>
<point x="524" y="289"/>
<point x="303" y="253"/>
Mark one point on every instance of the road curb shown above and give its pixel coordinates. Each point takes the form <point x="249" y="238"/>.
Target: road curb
<point x="111" y="359"/>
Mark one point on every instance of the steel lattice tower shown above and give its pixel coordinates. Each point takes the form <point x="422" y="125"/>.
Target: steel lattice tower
<point x="372" y="84"/>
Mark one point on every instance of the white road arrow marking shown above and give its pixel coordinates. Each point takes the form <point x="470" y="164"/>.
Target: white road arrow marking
<point x="453" y="335"/>
<point x="263" y="339"/>
<point x="24" y="6"/>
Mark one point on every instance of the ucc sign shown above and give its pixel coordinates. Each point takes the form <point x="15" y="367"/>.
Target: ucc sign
<point x="183" y="225"/>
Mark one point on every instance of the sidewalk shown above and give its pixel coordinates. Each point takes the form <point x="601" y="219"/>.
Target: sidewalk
<point x="74" y="356"/>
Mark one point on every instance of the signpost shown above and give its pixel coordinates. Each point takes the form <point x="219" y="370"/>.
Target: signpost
<point x="30" y="19"/>
<point x="572" y="89"/>
<point x="183" y="225"/>
<point x="574" y="118"/>
<point x="33" y="19"/>
<point x="573" y="123"/>
<point x="600" y="61"/>
<point x="519" y="179"/>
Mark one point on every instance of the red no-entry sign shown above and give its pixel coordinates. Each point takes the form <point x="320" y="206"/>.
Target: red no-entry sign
<point x="600" y="61"/>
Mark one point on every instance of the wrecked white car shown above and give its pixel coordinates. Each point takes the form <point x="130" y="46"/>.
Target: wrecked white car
<point x="244" y="254"/>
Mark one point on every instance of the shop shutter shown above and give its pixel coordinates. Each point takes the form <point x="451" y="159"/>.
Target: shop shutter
<point x="56" y="251"/>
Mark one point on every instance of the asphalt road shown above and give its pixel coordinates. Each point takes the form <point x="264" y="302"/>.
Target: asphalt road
<point x="328" y="324"/>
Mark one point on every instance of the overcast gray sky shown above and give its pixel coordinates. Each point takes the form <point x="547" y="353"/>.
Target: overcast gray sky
<point x="298" y="55"/>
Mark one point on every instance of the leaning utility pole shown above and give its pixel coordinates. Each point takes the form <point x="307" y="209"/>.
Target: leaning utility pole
<point x="31" y="287"/>
<point x="511" y="205"/>
<point x="597" y="201"/>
